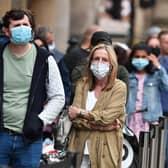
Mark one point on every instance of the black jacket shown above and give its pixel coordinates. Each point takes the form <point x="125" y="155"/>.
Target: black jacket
<point x="32" y="128"/>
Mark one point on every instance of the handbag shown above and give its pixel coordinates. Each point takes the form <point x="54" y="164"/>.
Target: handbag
<point x="61" y="130"/>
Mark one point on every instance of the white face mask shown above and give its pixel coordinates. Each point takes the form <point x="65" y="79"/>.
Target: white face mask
<point x="100" y="70"/>
<point x="52" y="46"/>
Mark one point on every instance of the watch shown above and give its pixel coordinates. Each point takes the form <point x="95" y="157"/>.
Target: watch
<point x="81" y="113"/>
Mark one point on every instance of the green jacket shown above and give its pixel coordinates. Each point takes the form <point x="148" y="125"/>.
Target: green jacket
<point x="105" y="148"/>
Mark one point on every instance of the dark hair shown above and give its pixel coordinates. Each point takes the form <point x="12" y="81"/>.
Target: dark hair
<point x="17" y="14"/>
<point x="40" y="34"/>
<point x="101" y="37"/>
<point x="139" y="46"/>
<point x="122" y="55"/>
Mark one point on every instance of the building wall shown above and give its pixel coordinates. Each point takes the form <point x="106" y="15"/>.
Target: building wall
<point x="55" y="15"/>
<point x="83" y="14"/>
<point x="5" y="5"/>
<point x="66" y="17"/>
<point x="145" y="18"/>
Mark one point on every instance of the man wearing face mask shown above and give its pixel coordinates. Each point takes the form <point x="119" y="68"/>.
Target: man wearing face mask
<point x="31" y="92"/>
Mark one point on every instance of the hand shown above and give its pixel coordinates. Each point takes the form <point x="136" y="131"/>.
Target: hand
<point x="154" y="60"/>
<point x="73" y="112"/>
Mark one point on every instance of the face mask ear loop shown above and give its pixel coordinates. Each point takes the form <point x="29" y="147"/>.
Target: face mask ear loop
<point x="33" y="34"/>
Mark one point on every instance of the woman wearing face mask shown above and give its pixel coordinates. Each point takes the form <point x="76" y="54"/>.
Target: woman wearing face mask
<point x="98" y="112"/>
<point x="147" y="78"/>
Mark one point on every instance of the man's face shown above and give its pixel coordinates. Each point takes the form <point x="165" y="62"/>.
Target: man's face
<point x="49" y="37"/>
<point x="164" y="44"/>
<point x="14" y="23"/>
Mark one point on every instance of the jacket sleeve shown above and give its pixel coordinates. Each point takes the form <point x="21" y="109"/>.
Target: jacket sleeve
<point x="163" y="78"/>
<point x="55" y="94"/>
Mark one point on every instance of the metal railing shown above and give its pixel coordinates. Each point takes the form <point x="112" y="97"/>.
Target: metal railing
<point x="152" y="145"/>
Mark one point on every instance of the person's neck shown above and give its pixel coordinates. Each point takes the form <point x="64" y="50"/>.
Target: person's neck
<point x="85" y="46"/>
<point x="141" y="72"/>
<point x="19" y="50"/>
<point x="99" y="86"/>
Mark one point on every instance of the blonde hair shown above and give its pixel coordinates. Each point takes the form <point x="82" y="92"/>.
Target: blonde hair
<point x="113" y="63"/>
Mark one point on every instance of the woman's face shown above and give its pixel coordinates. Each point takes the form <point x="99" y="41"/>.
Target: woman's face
<point x="140" y="54"/>
<point x="100" y="64"/>
<point x="140" y="60"/>
<point x="100" y="56"/>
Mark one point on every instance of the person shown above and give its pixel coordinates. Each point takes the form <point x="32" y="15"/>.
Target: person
<point x="98" y="112"/>
<point x="47" y="35"/>
<point x="118" y="9"/>
<point x="3" y="38"/>
<point x="99" y="37"/>
<point x="72" y="42"/>
<point x="163" y="59"/>
<point x="154" y="43"/>
<point x="147" y="77"/>
<point x="122" y="52"/>
<point x="79" y="54"/>
<point x="42" y="35"/>
<point x="31" y="92"/>
<point x="39" y="37"/>
<point x="153" y="31"/>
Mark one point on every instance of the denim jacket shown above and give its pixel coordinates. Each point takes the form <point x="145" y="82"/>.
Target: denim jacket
<point x="151" y="95"/>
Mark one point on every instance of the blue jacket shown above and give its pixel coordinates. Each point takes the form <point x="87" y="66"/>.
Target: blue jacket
<point x="164" y="95"/>
<point x="151" y="94"/>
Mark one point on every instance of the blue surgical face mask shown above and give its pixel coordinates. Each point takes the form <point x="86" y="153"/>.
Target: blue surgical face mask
<point x="140" y="63"/>
<point x="21" y="34"/>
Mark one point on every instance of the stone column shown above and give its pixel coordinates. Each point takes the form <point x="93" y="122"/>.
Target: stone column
<point x="21" y="4"/>
<point x="83" y="14"/>
<point x="5" y="7"/>
<point x="62" y="24"/>
<point x="143" y="20"/>
<point x="54" y="14"/>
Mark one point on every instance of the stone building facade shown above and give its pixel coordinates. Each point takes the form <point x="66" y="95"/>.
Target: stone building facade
<point x="67" y="17"/>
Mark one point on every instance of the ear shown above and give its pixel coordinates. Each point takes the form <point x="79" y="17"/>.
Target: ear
<point x="7" y="32"/>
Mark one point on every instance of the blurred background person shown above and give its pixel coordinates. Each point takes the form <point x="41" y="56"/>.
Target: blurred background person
<point x="79" y="54"/>
<point x="3" y="38"/>
<point x="163" y="58"/>
<point x="123" y="52"/>
<point x="118" y="9"/>
<point x="154" y="44"/>
<point x="42" y="36"/>
<point x="153" y="31"/>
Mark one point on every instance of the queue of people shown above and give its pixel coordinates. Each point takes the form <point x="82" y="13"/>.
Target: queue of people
<point x="105" y="85"/>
